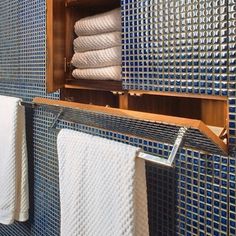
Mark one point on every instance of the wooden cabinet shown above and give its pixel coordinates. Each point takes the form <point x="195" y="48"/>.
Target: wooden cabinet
<point x="61" y="17"/>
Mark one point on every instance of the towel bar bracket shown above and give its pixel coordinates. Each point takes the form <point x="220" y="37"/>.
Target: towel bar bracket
<point x="28" y="104"/>
<point x="178" y="142"/>
<point x="58" y="116"/>
<point x="170" y="161"/>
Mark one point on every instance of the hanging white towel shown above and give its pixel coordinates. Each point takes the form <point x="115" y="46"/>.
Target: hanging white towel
<point x="14" y="202"/>
<point x="102" y="187"/>
<point x="97" y="42"/>
<point x="99" y="58"/>
<point x="101" y="23"/>
<point x="106" y="73"/>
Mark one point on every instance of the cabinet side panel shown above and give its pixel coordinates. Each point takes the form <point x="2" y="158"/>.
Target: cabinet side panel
<point x="55" y="44"/>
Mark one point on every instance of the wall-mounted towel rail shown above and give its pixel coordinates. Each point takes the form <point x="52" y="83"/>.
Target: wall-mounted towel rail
<point x="148" y="157"/>
<point x="166" y="129"/>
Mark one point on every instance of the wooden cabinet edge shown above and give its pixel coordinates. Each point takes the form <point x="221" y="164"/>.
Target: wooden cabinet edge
<point x="53" y="81"/>
<point x="211" y="135"/>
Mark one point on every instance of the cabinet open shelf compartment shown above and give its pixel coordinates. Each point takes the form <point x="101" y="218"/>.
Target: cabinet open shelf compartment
<point x="61" y="18"/>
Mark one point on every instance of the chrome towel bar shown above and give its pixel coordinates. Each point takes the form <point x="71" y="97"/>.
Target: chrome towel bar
<point x="146" y="156"/>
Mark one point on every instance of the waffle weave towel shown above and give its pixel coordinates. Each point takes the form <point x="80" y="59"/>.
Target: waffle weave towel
<point x="96" y="59"/>
<point x="106" y="73"/>
<point x="102" y="187"/>
<point x="101" y="23"/>
<point x="13" y="162"/>
<point x="97" y="42"/>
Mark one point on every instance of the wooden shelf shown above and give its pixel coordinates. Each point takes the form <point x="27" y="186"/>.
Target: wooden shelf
<point x="92" y="3"/>
<point x="86" y="96"/>
<point x="212" y="111"/>
<point x="102" y="85"/>
<point x="173" y="94"/>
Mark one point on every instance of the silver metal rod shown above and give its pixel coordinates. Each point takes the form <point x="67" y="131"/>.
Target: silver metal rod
<point x="170" y="161"/>
<point x="154" y="159"/>
<point x="177" y="144"/>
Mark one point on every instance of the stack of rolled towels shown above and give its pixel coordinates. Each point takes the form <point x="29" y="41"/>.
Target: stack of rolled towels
<point x="98" y="47"/>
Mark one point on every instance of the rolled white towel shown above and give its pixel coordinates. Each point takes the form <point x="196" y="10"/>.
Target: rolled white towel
<point x="101" y="23"/>
<point x="106" y="73"/>
<point x="97" y="42"/>
<point x="97" y="59"/>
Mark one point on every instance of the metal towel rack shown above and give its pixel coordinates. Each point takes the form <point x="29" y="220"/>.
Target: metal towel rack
<point x="148" y="157"/>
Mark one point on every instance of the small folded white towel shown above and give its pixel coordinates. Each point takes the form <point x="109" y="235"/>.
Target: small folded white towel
<point x="106" y="73"/>
<point x="14" y="202"/>
<point x="97" y="42"/>
<point x="101" y="23"/>
<point x="99" y="58"/>
<point x="102" y="187"/>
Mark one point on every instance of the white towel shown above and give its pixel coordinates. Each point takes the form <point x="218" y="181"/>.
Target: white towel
<point x="102" y="187"/>
<point x="14" y="202"/>
<point x="97" y="42"/>
<point x="106" y="73"/>
<point x="99" y="58"/>
<point x="101" y="23"/>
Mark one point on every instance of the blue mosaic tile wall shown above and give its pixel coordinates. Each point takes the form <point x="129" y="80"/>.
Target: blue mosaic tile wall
<point x="22" y="49"/>
<point x="22" y="74"/>
<point x="175" y="46"/>
<point x="195" y="198"/>
<point x="232" y="196"/>
<point x="232" y="74"/>
<point x="202" y="194"/>
<point x="9" y="40"/>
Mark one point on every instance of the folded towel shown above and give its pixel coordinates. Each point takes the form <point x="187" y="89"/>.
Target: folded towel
<point x="99" y="58"/>
<point x="106" y="73"/>
<point x="96" y="42"/>
<point x="98" y="24"/>
<point x="13" y="162"/>
<point x="102" y="187"/>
